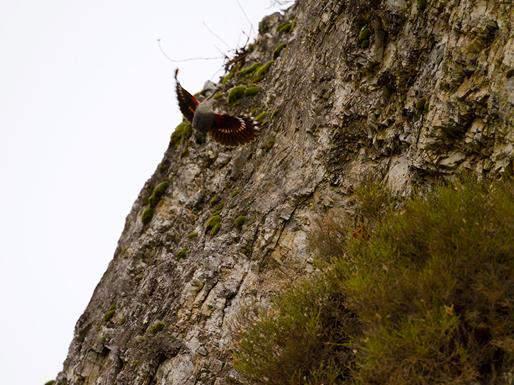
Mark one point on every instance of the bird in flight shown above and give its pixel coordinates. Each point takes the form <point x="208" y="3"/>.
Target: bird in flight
<point x="225" y="129"/>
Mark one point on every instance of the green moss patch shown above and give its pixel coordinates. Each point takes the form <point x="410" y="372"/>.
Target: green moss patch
<point x="157" y="193"/>
<point x="262" y="71"/>
<point x="285" y="27"/>
<point x="364" y="35"/>
<point x="182" y="132"/>
<point x="236" y="93"/>
<point x="109" y="313"/>
<point x="156" y="327"/>
<point x="250" y="69"/>
<point x="181" y="254"/>
<point x="147" y="214"/>
<point x="252" y="90"/>
<point x="192" y="235"/>
<point x="278" y="49"/>
<point x="240" y="221"/>
<point x="213" y="224"/>
<point x="261" y="117"/>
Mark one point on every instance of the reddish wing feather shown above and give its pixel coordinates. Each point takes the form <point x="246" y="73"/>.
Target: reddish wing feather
<point x="232" y="130"/>
<point x="186" y="102"/>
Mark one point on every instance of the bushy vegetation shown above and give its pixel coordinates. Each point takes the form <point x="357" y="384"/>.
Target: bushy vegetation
<point x="301" y="340"/>
<point x="425" y="296"/>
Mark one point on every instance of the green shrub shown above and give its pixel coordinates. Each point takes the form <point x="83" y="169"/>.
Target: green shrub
<point x="156" y="327"/>
<point x="433" y="287"/>
<point x="51" y="382"/>
<point x="427" y="297"/>
<point x="147" y="214"/>
<point x="373" y="200"/>
<point x="213" y="224"/>
<point x="299" y="340"/>
<point x="236" y="93"/>
<point x="182" y="132"/>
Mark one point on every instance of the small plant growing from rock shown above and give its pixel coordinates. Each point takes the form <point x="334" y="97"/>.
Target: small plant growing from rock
<point x="240" y="221"/>
<point x="262" y="71"/>
<point x="147" y="214"/>
<point x="182" y="132"/>
<point x="278" y="49"/>
<point x="156" y="327"/>
<point x="213" y="224"/>
<point x="236" y="93"/>
<point x="181" y="254"/>
<point x="109" y="313"/>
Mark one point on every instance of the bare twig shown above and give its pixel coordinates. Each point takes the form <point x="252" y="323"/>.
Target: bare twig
<point x="215" y="34"/>
<point x="246" y="16"/>
<point x="187" y="59"/>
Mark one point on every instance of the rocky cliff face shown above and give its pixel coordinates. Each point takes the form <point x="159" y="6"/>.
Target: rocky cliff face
<point x="400" y="91"/>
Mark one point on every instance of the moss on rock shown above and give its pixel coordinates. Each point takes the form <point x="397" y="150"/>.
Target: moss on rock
<point x="236" y="93"/>
<point x="252" y="90"/>
<point x="213" y="224"/>
<point x="262" y="71"/>
<point x="147" y="214"/>
<point x="182" y="132"/>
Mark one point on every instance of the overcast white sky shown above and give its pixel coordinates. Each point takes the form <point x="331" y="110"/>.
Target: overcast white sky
<point x="86" y="110"/>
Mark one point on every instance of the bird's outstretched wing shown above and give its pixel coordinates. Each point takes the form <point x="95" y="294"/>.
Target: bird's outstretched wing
<point x="186" y="102"/>
<point x="232" y="130"/>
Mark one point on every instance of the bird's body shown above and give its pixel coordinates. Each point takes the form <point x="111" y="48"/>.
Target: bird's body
<point x="203" y="118"/>
<point x="226" y="129"/>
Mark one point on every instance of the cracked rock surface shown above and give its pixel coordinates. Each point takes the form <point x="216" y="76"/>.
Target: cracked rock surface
<point x="401" y="91"/>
